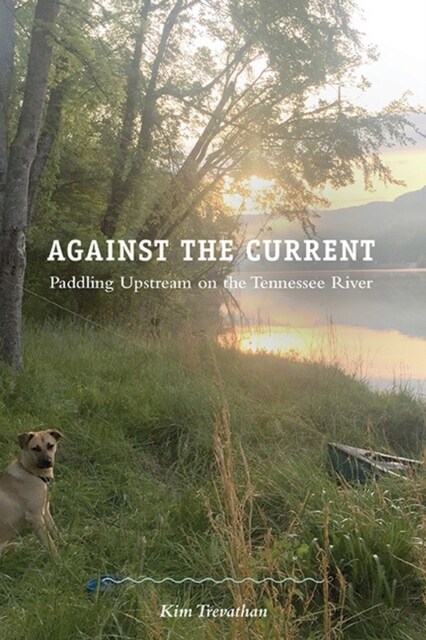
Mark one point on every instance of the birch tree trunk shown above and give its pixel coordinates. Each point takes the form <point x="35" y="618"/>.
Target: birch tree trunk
<point x="14" y="213"/>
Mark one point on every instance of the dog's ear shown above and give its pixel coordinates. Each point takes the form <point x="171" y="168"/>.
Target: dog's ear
<point x="24" y="438"/>
<point x="56" y="434"/>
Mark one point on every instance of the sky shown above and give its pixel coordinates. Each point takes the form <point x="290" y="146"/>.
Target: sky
<point x="398" y="30"/>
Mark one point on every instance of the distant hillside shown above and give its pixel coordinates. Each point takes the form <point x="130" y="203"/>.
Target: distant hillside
<point x="398" y="227"/>
<point x="418" y="120"/>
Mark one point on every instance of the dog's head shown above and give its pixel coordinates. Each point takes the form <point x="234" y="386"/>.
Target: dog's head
<point x="38" y="450"/>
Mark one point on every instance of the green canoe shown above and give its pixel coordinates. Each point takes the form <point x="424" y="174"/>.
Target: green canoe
<point x="362" y="465"/>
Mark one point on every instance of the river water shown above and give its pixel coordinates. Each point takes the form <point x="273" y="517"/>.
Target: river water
<point x="377" y="334"/>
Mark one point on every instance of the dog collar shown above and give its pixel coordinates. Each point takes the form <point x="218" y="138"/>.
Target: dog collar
<point x="44" y="479"/>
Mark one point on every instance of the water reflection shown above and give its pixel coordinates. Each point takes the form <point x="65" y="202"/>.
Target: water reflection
<point x="379" y="335"/>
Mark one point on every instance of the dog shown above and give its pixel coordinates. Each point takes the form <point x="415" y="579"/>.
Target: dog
<point x="24" y="497"/>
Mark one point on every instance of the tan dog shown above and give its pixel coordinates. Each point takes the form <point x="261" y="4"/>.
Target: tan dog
<point x="23" y="488"/>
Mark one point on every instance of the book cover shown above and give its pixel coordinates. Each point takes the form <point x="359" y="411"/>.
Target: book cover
<point x="212" y="319"/>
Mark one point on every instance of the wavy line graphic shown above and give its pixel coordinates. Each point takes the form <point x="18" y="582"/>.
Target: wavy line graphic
<point x="110" y="579"/>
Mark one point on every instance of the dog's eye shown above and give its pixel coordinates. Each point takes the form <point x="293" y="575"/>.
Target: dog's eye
<point x="50" y="446"/>
<point x="37" y="448"/>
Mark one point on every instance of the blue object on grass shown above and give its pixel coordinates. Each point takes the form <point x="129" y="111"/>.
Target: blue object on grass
<point x="101" y="584"/>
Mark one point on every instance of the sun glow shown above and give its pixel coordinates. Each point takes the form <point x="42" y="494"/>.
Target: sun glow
<point x="276" y="340"/>
<point x="249" y="196"/>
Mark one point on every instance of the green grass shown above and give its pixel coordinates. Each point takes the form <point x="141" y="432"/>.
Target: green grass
<point x="141" y="489"/>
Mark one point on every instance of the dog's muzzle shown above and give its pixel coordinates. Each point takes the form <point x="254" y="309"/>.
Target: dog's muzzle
<point x="44" y="464"/>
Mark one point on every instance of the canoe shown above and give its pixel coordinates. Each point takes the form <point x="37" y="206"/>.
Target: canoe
<point x="362" y="465"/>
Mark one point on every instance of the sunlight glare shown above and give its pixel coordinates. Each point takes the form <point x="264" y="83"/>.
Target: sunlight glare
<point x="359" y="351"/>
<point x="276" y="340"/>
<point x="250" y="195"/>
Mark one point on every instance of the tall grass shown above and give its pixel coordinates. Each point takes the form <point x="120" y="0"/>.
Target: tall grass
<point x="184" y="460"/>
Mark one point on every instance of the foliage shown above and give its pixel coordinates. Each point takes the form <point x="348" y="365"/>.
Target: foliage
<point x="162" y="101"/>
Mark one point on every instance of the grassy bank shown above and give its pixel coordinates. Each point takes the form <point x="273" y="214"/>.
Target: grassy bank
<point x="184" y="460"/>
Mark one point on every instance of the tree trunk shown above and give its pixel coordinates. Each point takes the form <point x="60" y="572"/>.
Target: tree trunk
<point x="123" y="188"/>
<point x="12" y="273"/>
<point x="21" y="157"/>
<point x="117" y="194"/>
<point x="46" y="141"/>
<point x="7" y="38"/>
